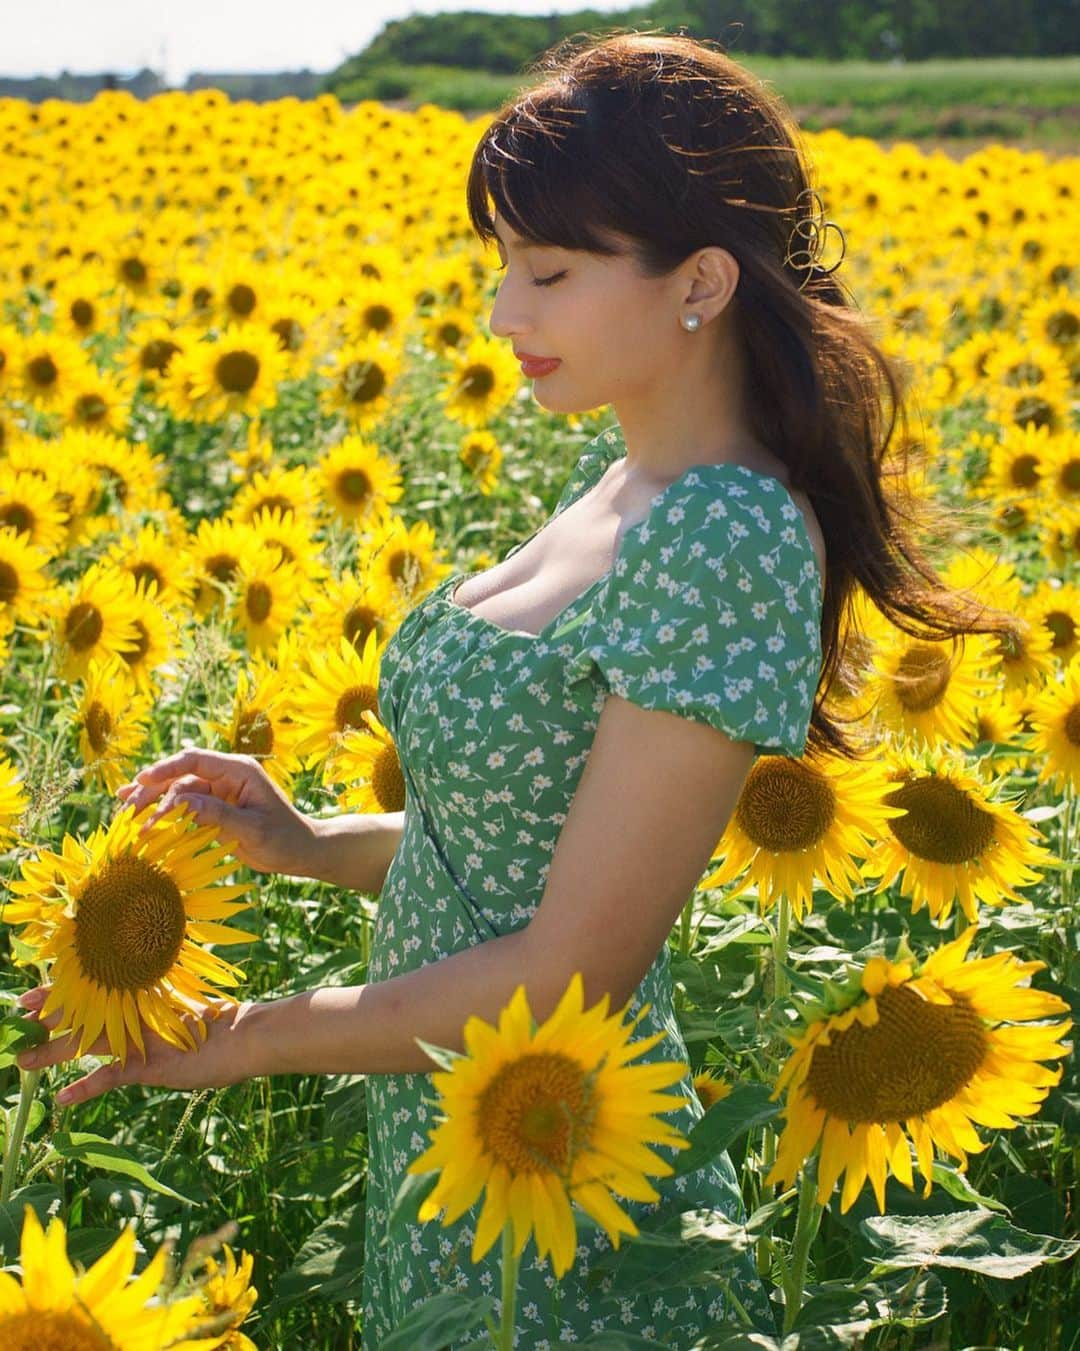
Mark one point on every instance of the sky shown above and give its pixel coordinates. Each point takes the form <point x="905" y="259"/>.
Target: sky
<point x="175" y="37"/>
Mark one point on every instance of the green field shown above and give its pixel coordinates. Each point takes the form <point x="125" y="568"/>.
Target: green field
<point x="1023" y="101"/>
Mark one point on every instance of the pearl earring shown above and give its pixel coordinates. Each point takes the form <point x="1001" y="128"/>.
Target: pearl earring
<point x="691" y="322"/>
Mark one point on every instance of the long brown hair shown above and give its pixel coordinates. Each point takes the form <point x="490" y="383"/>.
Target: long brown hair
<point x="668" y="141"/>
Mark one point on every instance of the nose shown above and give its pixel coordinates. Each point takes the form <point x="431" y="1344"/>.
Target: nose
<point x="508" y="315"/>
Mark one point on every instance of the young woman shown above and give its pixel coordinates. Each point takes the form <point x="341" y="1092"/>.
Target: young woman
<point x="576" y="723"/>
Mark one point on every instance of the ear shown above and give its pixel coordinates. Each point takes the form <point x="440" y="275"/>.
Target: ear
<point x="709" y="279"/>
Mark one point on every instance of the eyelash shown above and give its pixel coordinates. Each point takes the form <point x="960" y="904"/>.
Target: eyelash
<point x="539" y="281"/>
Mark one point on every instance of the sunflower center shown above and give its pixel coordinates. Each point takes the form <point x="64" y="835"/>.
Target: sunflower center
<point x="138" y="654"/>
<point x="43" y="372"/>
<point x="1025" y="473"/>
<point x="943" y="824"/>
<point x="146" y="573"/>
<point x="358" y="623"/>
<point x="45" y="1330"/>
<point x="362" y="381"/>
<point x="451" y="334"/>
<point x="1070" y="476"/>
<point x="129" y="925"/>
<point x="477" y="382"/>
<point x="255" y="734"/>
<point x="222" y="567"/>
<point x="157" y="354"/>
<point x="535" y="1113"/>
<point x="387" y="781"/>
<point x="16" y="517"/>
<point x="82" y="313"/>
<point x="354" y="485"/>
<point x="133" y="270"/>
<point x="1072" y="725"/>
<point x="922" y="677"/>
<point x="1034" y="410"/>
<point x="99" y="725"/>
<point x="90" y="408"/>
<point x="1063" y="627"/>
<point x="1062" y="326"/>
<point x="259" y="602"/>
<point x="785" y="806"/>
<point x="378" y="317"/>
<point x="351" y="705"/>
<point x="290" y="334"/>
<point x="236" y="372"/>
<point x="916" y="1057"/>
<point x="83" y="626"/>
<point x="9" y="583"/>
<point x="241" y="299"/>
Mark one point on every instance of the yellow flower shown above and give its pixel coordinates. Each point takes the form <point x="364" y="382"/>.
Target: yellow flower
<point x="1055" y="722"/>
<point x="916" y="1054"/>
<point x="101" y="1309"/>
<point x="801" y="820"/>
<point x="484" y="380"/>
<point x="112" y="720"/>
<point x="228" y="1297"/>
<point x="710" y="1089"/>
<point x="122" y="923"/>
<point x="367" y="762"/>
<point x="954" y="842"/>
<point x="537" y="1119"/>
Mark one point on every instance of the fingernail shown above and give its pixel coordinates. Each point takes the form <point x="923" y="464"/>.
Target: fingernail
<point x="27" y="1061"/>
<point x="64" y="1097"/>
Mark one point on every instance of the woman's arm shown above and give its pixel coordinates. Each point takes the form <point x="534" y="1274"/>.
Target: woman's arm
<point x="354" y="851"/>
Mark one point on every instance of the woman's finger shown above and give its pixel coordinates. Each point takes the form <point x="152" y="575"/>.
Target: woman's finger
<point x="53" y="1052"/>
<point x="33" y="999"/>
<point x="95" y="1083"/>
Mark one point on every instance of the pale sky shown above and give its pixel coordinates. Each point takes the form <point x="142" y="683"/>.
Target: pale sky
<point x="175" y="37"/>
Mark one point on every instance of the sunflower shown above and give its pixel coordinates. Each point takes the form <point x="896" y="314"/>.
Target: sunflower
<point x="954" y="842"/>
<point x="710" y="1089"/>
<point x="537" y="1119"/>
<point x="95" y="617"/>
<point x="351" y="608"/>
<point x="23" y="583"/>
<point x="13" y="799"/>
<point x="268" y="595"/>
<point x="999" y="722"/>
<point x="228" y="1297"/>
<point x="113" y="721"/>
<point x="101" y="1309"/>
<point x="123" y="928"/>
<point x="915" y="1053"/>
<point x="400" y="559"/>
<point x="236" y="372"/>
<point x="98" y="402"/>
<point x="448" y="329"/>
<point x="1056" y="608"/>
<point x="151" y="346"/>
<point x="1063" y="468"/>
<point x="158" y="570"/>
<point x="332" y="696"/>
<point x="258" y="726"/>
<point x="292" y="492"/>
<point x="376" y="309"/>
<point x="217" y="552"/>
<point x="1054" y="318"/>
<point x="1055" y="723"/>
<point x="367" y="762"/>
<point x="47" y="370"/>
<point x="361" y="375"/>
<point x="28" y="506"/>
<point x="157" y="641"/>
<point x="485" y="378"/>
<point x="481" y="456"/>
<point x="354" y="477"/>
<point x="931" y="691"/>
<point x="79" y="306"/>
<point x="797" y="821"/>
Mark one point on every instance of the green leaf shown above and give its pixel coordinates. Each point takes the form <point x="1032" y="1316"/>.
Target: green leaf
<point x="329" y="1265"/>
<point x="443" y="1058"/>
<point x="42" y="1197"/>
<point x="746" y="1106"/>
<point x="969" y="1240"/>
<point x="436" y="1323"/>
<point x="98" y="1152"/>
<point x="18" y="1034"/>
<point x="957" y="1185"/>
<point x="685" y="1248"/>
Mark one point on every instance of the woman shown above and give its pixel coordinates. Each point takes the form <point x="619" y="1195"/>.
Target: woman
<point x="576" y="723"/>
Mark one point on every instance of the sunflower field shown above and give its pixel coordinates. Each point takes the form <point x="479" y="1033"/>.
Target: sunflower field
<point x="250" y="414"/>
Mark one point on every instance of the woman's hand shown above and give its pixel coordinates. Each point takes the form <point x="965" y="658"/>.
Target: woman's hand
<point x="228" y="1055"/>
<point x="254" y="818"/>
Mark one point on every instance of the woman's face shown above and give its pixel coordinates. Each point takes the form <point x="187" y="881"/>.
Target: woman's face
<point x="615" y="332"/>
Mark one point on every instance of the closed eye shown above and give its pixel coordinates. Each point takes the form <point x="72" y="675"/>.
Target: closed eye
<point x="539" y="281"/>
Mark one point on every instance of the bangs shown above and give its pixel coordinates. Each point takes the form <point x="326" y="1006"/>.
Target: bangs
<point x="532" y="168"/>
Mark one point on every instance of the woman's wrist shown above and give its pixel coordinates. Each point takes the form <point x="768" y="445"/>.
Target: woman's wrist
<point x="354" y="850"/>
<point x="260" y="1047"/>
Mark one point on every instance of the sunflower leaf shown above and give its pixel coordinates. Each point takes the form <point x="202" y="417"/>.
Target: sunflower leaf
<point x="971" y="1240"/>
<point x="411" y="1195"/>
<point x="443" y="1058"/>
<point x="18" y="1034"/>
<point x="98" y="1152"/>
<point x="746" y="1106"/>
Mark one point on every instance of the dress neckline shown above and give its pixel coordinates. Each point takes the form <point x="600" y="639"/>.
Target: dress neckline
<point x="454" y="581"/>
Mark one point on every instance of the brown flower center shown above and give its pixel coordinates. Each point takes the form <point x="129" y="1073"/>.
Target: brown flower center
<point x="46" y="1330"/>
<point x="129" y="924"/>
<point x="99" y="725"/>
<point x="255" y="734"/>
<point x="477" y="382"/>
<point x="943" y="823"/>
<point x="362" y="381"/>
<point x="83" y="626"/>
<point x="785" y="805"/>
<point x="922" y="677"/>
<point x="237" y="372"/>
<point x="536" y="1113"/>
<point x="916" y="1057"/>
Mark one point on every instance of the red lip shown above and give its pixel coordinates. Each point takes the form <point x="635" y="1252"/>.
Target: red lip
<point x="528" y="356"/>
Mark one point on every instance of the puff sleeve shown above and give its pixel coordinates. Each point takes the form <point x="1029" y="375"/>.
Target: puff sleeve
<point x="712" y="610"/>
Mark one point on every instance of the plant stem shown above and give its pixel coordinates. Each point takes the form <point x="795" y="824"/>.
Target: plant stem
<point x="684" y="931"/>
<point x="28" y="1082"/>
<point x="509" y="1289"/>
<point x="806" y="1227"/>
<point x="781" y="985"/>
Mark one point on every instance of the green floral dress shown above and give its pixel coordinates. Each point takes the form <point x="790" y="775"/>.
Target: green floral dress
<point x="712" y="610"/>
